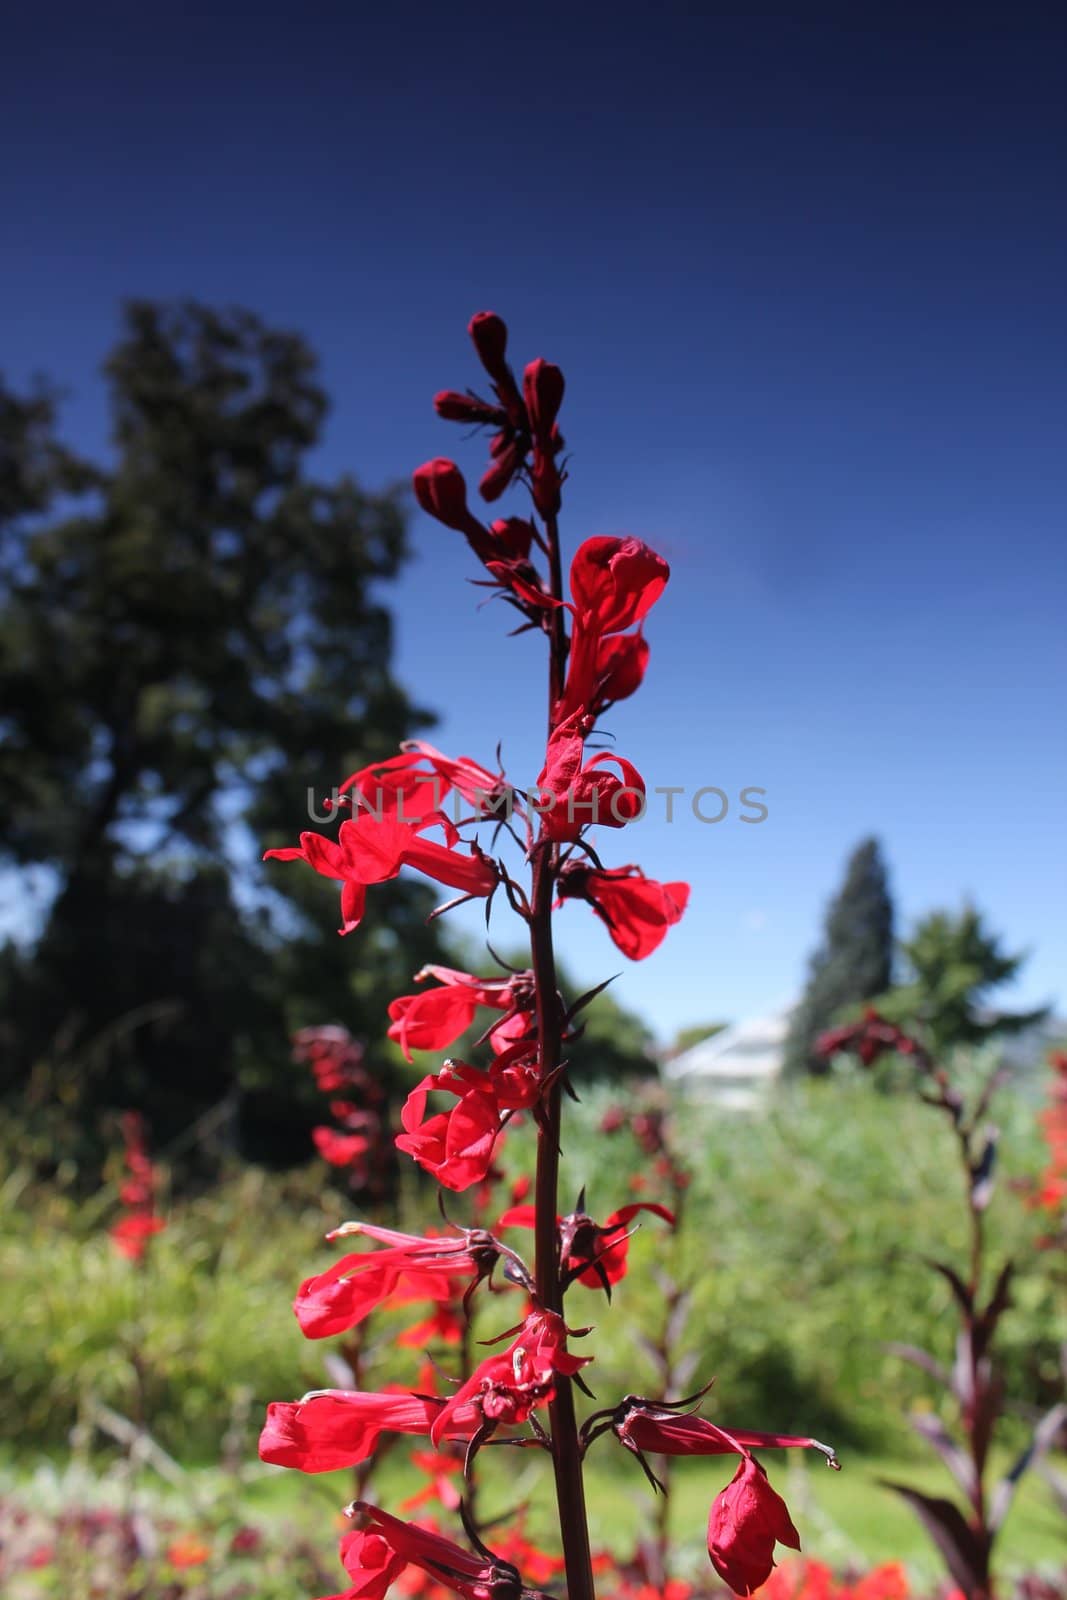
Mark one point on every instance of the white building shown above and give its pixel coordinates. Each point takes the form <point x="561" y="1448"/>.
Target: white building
<point x="736" y="1067"/>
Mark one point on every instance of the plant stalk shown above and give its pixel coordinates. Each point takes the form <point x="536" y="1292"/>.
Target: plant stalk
<point x="566" y="1450"/>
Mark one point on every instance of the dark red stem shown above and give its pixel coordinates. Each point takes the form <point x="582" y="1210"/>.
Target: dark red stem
<point x="566" y="1451"/>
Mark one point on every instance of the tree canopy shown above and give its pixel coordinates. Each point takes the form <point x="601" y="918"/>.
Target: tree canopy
<point x="854" y="960"/>
<point x="952" y="965"/>
<point x="193" y="640"/>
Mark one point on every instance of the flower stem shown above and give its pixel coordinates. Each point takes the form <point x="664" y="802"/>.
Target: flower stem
<point x="566" y="1452"/>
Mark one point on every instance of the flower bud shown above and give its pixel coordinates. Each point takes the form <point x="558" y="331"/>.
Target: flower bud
<point x="542" y="387"/>
<point x="490" y="335"/>
<point x="501" y="470"/>
<point x="441" y="491"/>
<point x="512" y="538"/>
<point x="455" y="407"/>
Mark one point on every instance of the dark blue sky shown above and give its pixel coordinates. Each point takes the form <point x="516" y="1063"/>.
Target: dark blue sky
<point x="803" y="268"/>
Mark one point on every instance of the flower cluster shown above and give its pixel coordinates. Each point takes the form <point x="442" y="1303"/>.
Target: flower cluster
<point x="140" y="1221"/>
<point x="356" y="1140"/>
<point x="532" y="851"/>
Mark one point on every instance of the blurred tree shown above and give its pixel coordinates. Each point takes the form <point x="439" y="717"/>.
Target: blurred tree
<point x="952" y="963"/>
<point x="192" y="644"/>
<point x="854" y="961"/>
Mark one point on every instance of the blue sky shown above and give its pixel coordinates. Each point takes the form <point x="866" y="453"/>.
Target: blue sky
<point x="803" y="269"/>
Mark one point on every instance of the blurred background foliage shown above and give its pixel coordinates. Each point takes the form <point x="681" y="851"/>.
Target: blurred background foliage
<point x="792" y="1304"/>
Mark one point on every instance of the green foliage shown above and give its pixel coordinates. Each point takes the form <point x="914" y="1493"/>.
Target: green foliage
<point x="953" y="964"/>
<point x="192" y="641"/>
<point x="792" y="1304"/>
<point x="854" y="960"/>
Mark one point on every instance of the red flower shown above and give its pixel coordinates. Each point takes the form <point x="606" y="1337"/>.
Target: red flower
<point x="435" y="1018"/>
<point x="331" y="1302"/>
<point x="476" y="1577"/>
<point x="371" y="849"/>
<point x="573" y="796"/>
<point x="130" y="1235"/>
<point x="455" y="1146"/>
<point x="371" y="1563"/>
<point x="636" y="910"/>
<point x="188" y="1551"/>
<point x="646" y="1425"/>
<point x="747" y="1519"/>
<point x="591" y="1253"/>
<point x="505" y="1388"/>
<point x="615" y="582"/>
<point x="334" y="1428"/>
<point x="339" y="1149"/>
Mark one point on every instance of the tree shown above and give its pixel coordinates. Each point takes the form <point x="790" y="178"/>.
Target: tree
<point x="192" y="641"/>
<point x="952" y="965"/>
<point x="854" y="961"/>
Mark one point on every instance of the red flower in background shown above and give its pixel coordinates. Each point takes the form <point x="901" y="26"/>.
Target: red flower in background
<point x="872" y="1036"/>
<point x="637" y="911"/>
<point x="140" y="1222"/>
<point x="339" y="1149"/>
<point x="130" y="1235"/>
<point x="357" y="1144"/>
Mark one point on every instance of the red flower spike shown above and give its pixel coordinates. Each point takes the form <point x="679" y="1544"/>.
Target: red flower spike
<point x="747" y="1519"/>
<point x="636" y="910"/>
<point x="131" y="1234"/>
